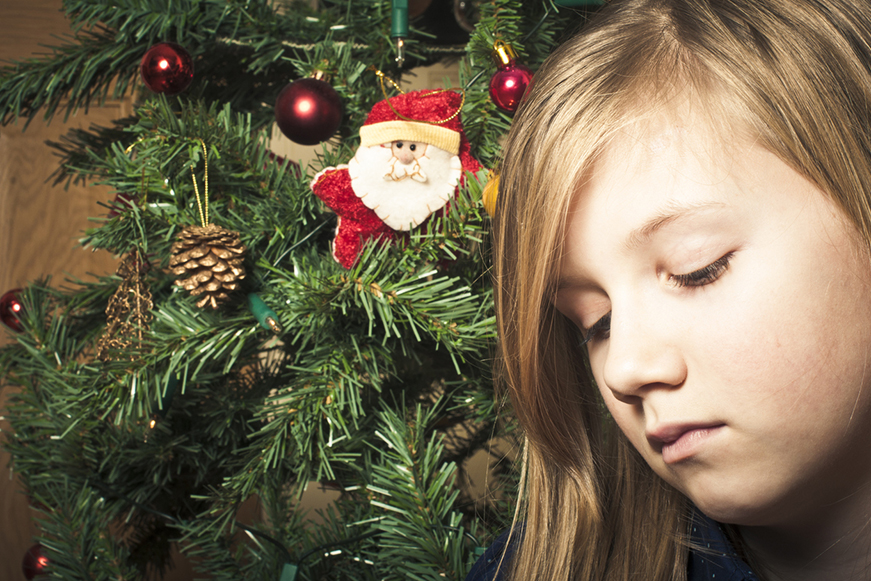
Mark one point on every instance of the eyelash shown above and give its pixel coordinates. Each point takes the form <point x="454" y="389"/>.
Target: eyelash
<point x="703" y="276"/>
<point x="601" y="329"/>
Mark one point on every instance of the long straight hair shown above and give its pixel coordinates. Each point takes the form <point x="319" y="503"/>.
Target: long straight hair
<point x="792" y="75"/>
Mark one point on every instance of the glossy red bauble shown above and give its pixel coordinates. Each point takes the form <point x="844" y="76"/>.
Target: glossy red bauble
<point x="10" y="308"/>
<point x="167" y="68"/>
<point x="34" y="562"/>
<point x="308" y="111"/>
<point x="508" y="85"/>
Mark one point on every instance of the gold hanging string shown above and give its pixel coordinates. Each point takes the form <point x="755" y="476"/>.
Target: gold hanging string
<point x="204" y="214"/>
<point x="384" y="78"/>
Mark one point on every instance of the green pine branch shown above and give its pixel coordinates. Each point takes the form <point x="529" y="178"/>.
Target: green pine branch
<point x="415" y="490"/>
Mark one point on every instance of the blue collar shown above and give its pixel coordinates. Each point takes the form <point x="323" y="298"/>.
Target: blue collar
<point x="711" y="557"/>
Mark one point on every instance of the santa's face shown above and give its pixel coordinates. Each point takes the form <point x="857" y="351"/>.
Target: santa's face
<point x="404" y="164"/>
<point x="406" y="152"/>
<point x="404" y="182"/>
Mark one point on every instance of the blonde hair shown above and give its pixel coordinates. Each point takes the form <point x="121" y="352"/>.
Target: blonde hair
<point x="794" y="74"/>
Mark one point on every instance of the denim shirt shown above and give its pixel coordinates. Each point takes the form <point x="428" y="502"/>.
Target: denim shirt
<point x="711" y="557"/>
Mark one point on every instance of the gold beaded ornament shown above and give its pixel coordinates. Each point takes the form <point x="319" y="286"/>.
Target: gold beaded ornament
<point x="128" y="314"/>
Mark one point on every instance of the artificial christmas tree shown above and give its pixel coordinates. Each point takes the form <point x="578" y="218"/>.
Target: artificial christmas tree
<point x="374" y="379"/>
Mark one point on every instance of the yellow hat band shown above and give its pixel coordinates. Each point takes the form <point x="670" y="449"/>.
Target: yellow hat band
<point x="388" y="131"/>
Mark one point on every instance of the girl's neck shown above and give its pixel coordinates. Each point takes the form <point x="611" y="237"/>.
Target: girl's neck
<point x="836" y="546"/>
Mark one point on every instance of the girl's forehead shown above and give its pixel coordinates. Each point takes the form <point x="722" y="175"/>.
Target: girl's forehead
<point x="662" y="116"/>
<point x="660" y="170"/>
<point x="664" y="145"/>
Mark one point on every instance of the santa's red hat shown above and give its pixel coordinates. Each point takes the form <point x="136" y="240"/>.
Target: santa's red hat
<point x="431" y="117"/>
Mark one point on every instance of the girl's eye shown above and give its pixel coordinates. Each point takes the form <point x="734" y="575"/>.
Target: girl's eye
<point x="703" y="276"/>
<point x="601" y="329"/>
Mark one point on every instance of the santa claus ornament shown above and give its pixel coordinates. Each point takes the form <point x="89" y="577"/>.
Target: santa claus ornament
<point x="412" y="158"/>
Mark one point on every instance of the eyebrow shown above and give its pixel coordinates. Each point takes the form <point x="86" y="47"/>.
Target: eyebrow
<point x="672" y="213"/>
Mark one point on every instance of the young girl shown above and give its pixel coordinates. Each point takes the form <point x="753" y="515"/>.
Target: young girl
<point x="683" y="287"/>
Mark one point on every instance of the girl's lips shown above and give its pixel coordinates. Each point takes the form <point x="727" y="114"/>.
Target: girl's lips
<point x="677" y="443"/>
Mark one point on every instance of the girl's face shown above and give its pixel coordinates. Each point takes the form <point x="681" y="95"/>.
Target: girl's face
<point x="726" y="305"/>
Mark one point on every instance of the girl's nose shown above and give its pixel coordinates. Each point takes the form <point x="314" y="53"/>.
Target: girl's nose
<point x="642" y="354"/>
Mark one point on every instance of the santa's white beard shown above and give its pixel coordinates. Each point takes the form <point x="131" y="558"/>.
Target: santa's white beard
<point x="406" y="203"/>
<point x="399" y="171"/>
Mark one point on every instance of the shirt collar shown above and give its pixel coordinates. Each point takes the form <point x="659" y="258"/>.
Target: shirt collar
<point x="712" y="557"/>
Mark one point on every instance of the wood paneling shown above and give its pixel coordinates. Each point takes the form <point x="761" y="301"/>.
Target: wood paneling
<point x="27" y="26"/>
<point x="40" y="223"/>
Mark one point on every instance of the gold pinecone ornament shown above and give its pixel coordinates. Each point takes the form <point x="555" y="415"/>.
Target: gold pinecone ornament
<point x="209" y="259"/>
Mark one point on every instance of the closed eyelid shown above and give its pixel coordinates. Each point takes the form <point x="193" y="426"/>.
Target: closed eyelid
<point x="601" y="326"/>
<point x="698" y="278"/>
<point x="573" y="308"/>
<point x="705" y="275"/>
<point x="641" y="237"/>
<point x="567" y="281"/>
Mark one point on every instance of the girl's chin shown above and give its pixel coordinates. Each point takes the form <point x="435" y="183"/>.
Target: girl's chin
<point x="736" y="508"/>
<point x="728" y="502"/>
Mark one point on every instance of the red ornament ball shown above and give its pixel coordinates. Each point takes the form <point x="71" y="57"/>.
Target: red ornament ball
<point x="34" y="562"/>
<point x="122" y="202"/>
<point x="10" y="307"/>
<point x="508" y="85"/>
<point x="167" y="68"/>
<point x="308" y="111"/>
